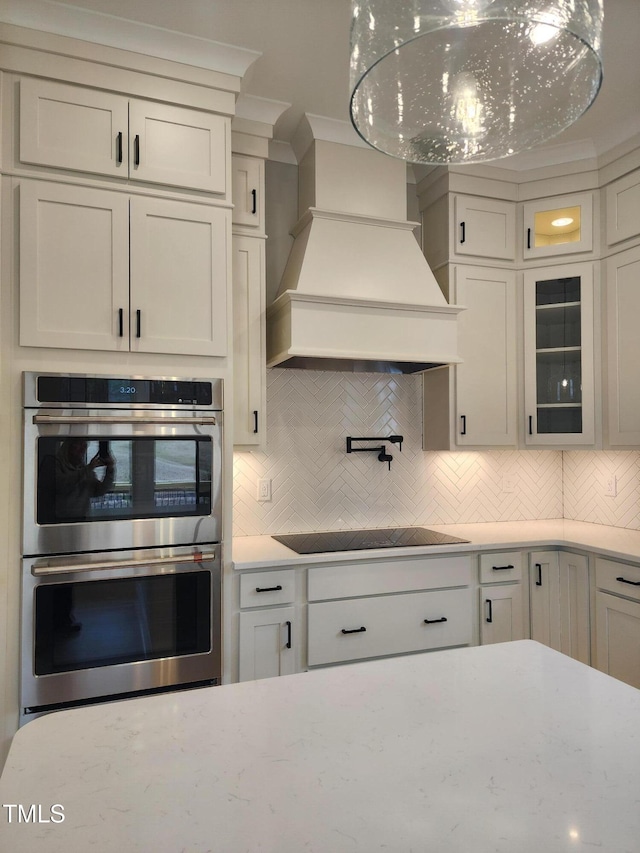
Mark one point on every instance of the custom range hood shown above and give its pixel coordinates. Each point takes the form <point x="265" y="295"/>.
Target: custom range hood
<point x="357" y="293"/>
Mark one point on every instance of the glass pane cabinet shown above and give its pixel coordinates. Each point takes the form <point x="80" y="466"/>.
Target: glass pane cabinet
<point x="558" y="226"/>
<point x="559" y="380"/>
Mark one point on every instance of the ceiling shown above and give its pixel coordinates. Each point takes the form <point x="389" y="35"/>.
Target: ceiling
<point x="304" y="46"/>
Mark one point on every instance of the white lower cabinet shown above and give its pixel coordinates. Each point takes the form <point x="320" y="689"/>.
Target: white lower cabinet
<point x="500" y="596"/>
<point x="559" y="602"/>
<point x="268" y="636"/>
<point x="266" y="643"/>
<point x="617" y="646"/>
<point x="415" y="613"/>
<point x="387" y="625"/>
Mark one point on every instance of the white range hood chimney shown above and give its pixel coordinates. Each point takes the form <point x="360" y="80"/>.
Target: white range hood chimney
<point x="357" y="292"/>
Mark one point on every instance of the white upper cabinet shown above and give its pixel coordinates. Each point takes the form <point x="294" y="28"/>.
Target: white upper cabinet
<point x="623" y="347"/>
<point x="87" y="130"/>
<point x="249" y="347"/>
<point x="623" y="208"/>
<point x="100" y="270"/>
<point x="74" y="267"/>
<point x="247" y="177"/>
<point x="474" y="403"/>
<point x="179" y="270"/>
<point x="484" y="228"/>
<point x="559" y="355"/>
<point x="558" y="226"/>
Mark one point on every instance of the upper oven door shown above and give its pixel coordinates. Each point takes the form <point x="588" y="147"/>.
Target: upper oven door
<point x="101" y="480"/>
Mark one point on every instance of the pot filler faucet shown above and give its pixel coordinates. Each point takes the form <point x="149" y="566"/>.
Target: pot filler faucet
<point x="381" y="450"/>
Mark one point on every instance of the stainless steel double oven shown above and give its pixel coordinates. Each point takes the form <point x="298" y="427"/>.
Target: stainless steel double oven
<point x="122" y="537"/>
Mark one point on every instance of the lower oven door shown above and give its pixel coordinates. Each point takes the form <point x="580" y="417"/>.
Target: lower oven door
<point x="105" y="626"/>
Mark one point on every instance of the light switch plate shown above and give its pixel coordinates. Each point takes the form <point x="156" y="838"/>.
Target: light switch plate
<point x="264" y="490"/>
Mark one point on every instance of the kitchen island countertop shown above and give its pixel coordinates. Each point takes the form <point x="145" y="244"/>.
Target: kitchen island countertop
<point x="262" y="552"/>
<point x="509" y="747"/>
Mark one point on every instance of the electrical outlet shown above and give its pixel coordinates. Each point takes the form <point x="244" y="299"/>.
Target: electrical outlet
<point x="264" y="490"/>
<point x="508" y="484"/>
<point x="611" y="488"/>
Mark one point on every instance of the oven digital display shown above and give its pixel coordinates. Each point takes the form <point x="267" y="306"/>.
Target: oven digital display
<point x="96" y="390"/>
<point x="127" y="391"/>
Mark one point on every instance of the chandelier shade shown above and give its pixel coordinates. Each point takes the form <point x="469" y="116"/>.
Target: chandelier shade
<point x="464" y="81"/>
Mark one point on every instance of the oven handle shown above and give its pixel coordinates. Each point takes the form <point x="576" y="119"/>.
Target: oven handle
<point x="42" y="570"/>
<point x="120" y="419"/>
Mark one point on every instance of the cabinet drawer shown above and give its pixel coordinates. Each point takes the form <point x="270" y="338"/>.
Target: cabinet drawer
<point x="501" y="566"/>
<point x="259" y="589"/>
<point x="388" y="625"/>
<point x="619" y="578"/>
<point x="347" y="580"/>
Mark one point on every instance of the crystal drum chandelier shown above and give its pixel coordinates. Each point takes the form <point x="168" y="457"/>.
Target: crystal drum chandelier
<point x="466" y="81"/>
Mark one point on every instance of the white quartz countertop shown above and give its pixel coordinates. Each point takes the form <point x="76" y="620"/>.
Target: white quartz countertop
<point x="261" y="552"/>
<point x="502" y="748"/>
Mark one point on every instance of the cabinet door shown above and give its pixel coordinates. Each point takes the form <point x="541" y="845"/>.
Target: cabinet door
<point x="558" y="226"/>
<point x="623" y="208"/>
<point x="74" y="267"/>
<point x="618" y="637"/>
<point x="559" y="355"/>
<point x="623" y="347"/>
<point x="485" y="382"/>
<point x="70" y="127"/>
<point x="559" y="601"/>
<point x="574" y="606"/>
<point x="501" y="614"/>
<point x="544" y="598"/>
<point x="179" y="252"/>
<point x="267" y="640"/>
<point x="249" y="359"/>
<point x="247" y="178"/>
<point x="484" y="227"/>
<point x="177" y="146"/>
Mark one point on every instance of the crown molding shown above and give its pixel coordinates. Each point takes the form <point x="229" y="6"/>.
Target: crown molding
<point x="61" y="19"/>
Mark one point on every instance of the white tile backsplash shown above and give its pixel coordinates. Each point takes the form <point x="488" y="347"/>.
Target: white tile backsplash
<point x="316" y="485"/>
<point x="585" y="484"/>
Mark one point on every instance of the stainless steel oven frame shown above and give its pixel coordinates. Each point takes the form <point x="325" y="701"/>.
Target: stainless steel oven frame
<point x="112" y="422"/>
<point x="41" y="693"/>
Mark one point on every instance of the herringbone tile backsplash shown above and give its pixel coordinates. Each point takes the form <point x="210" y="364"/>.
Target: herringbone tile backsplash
<point x="585" y="477"/>
<point x="317" y="486"/>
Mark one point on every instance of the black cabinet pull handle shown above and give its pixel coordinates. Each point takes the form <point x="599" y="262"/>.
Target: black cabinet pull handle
<point x="120" y="323"/>
<point x="489" y="616"/>
<point x="463" y="235"/>
<point x="269" y="588"/>
<point x="254" y="201"/>
<point x="354" y="630"/>
<point x="288" y="634"/>
<point x="539" y="568"/>
<point x="433" y="621"/>
<point x="530" y="424"/>
<point x="255" y="420"/>
<point x="501" y="568"/>
<point x="138" y="323"/>
<point x="528" y="238"/>
<point x="119" y="147"/>
<point x="136" y="150"/>
<point x="624" y="580"/>
<point x="463" y="419"/>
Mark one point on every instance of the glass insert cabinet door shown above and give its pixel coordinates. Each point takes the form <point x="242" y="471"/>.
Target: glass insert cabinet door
<point x="558" y="226"/>
<point x="559" y="357"/>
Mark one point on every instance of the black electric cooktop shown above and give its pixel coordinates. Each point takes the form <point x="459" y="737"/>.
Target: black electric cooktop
<point x="359" y="540"/>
